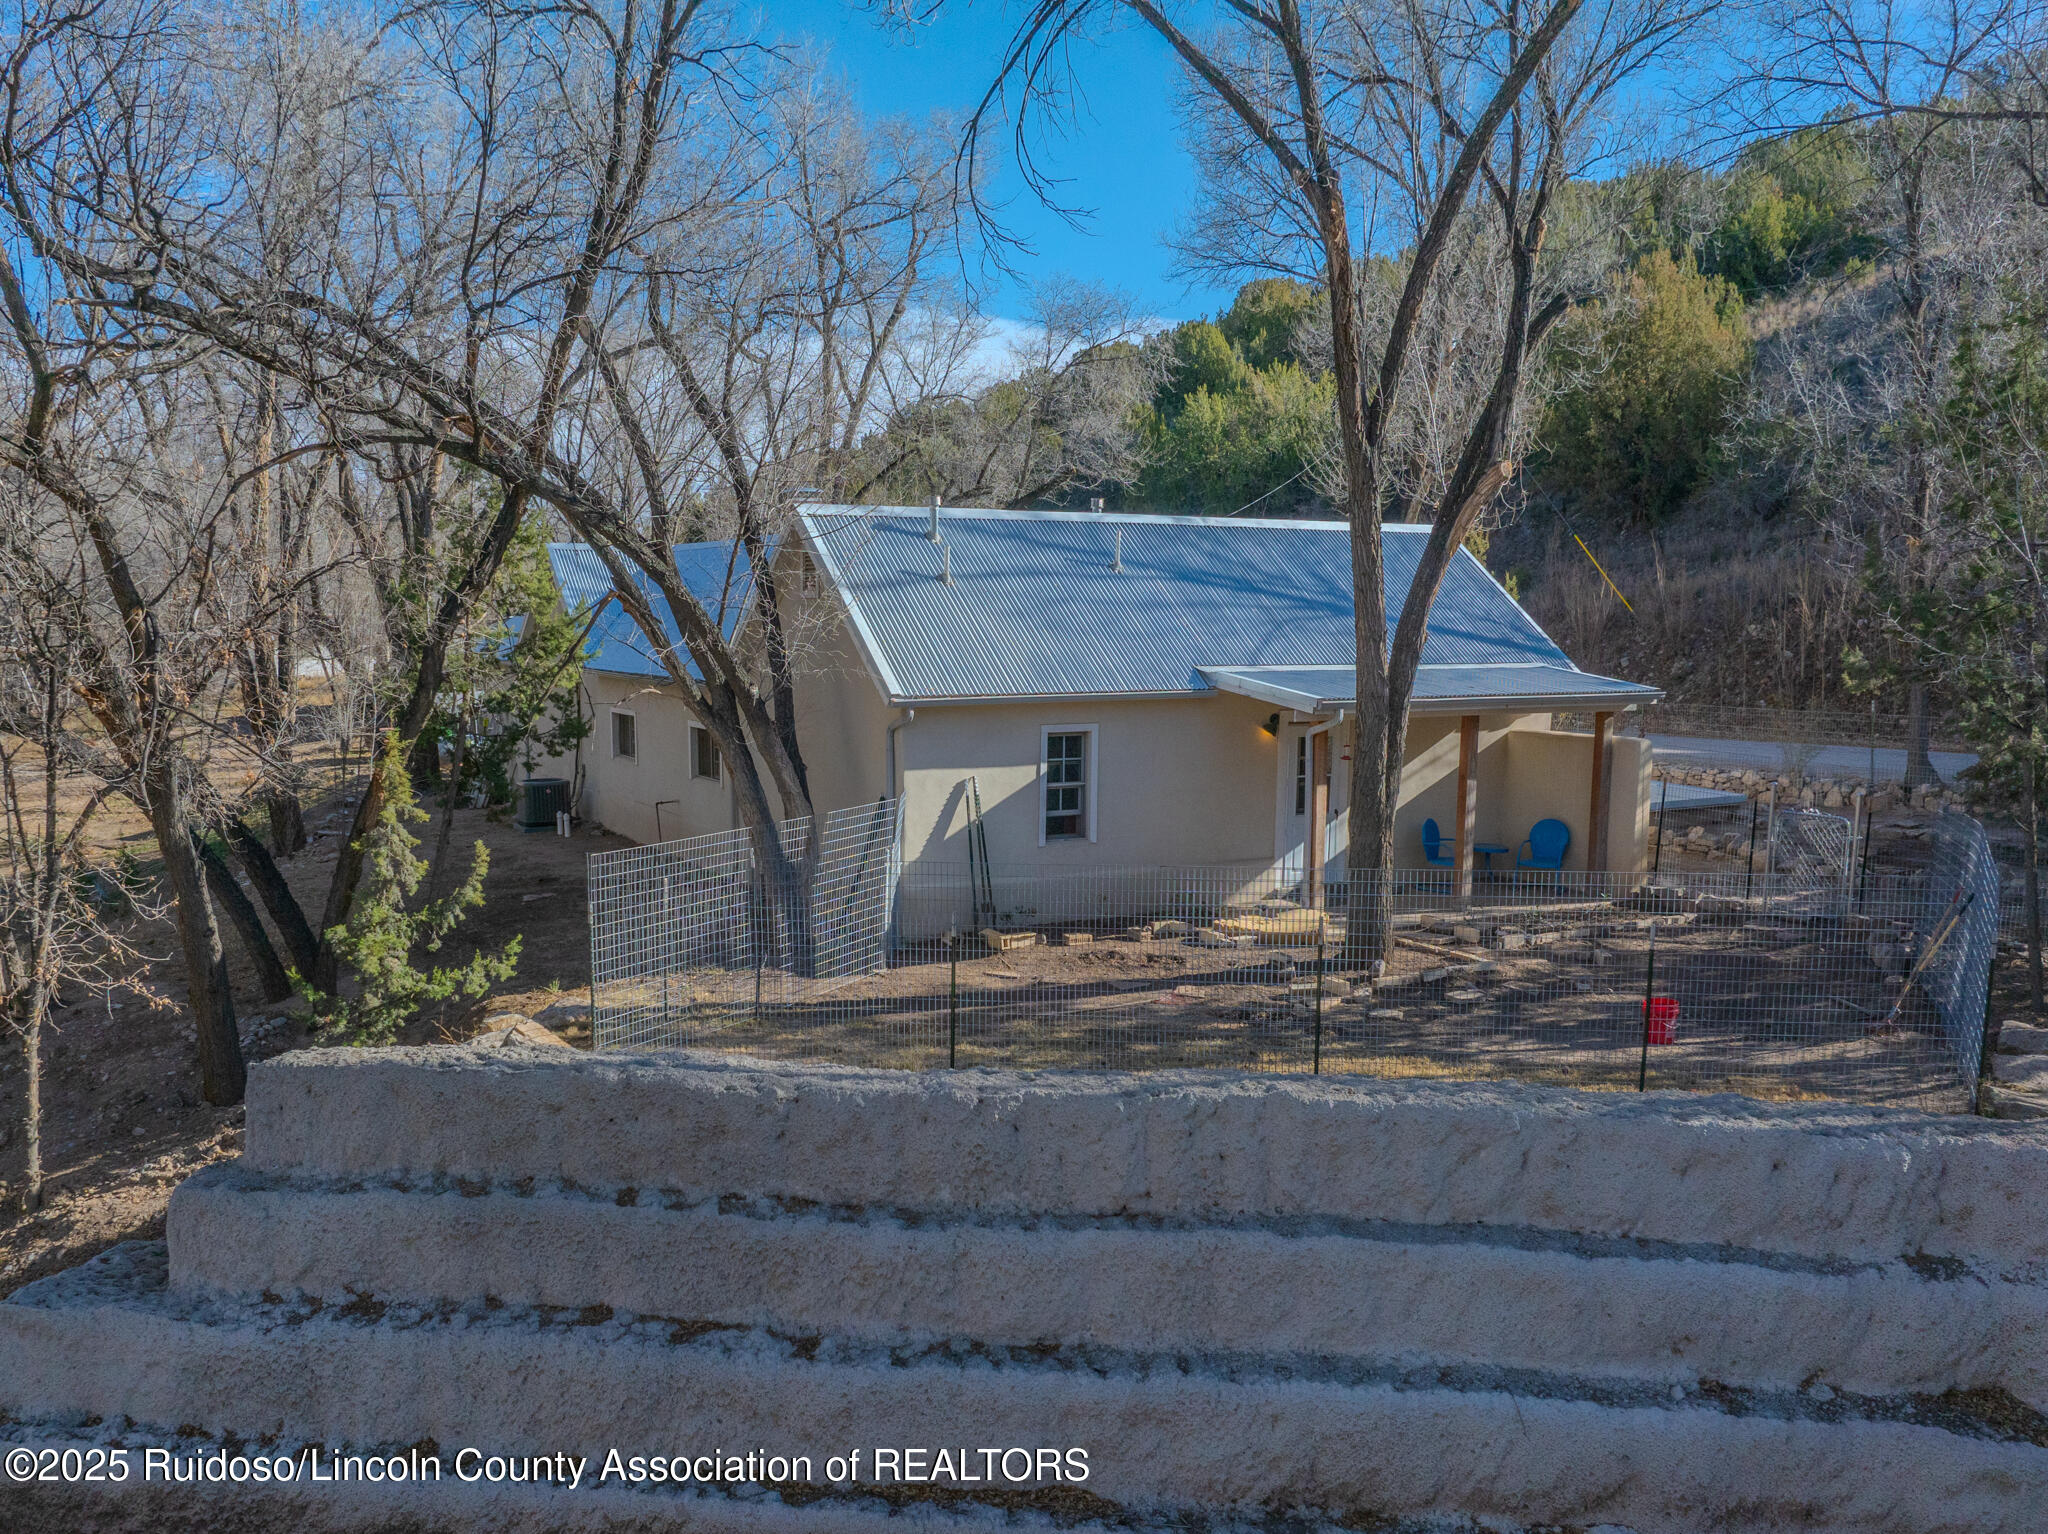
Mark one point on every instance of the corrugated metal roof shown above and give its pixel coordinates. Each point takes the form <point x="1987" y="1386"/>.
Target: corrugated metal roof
<point x="717" y="574"/>
<point x="1318" y="689"/>
<point x="1036" y="607"/>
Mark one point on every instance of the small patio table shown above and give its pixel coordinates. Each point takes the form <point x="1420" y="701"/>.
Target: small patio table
<point x="1486" y="850"/>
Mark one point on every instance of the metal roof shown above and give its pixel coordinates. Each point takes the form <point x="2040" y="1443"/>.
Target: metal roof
<point x="1037" y="607"/>
<point x="717" y="574"/>
<point x="1319" y="689"/>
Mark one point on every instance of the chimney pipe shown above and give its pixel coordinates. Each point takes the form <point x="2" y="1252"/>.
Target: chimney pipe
<point x="933" y="534"/>
<point x="1119" y="563"/>
<point x="946" y="557"/>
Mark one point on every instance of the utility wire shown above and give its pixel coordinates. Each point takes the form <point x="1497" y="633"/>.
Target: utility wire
<point x="1290" y="479"/>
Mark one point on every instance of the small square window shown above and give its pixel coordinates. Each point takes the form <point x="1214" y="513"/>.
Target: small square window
<point x="1066" y="785"/>
<point x="1301" y="775"/>
<point x="704" y="761"/>
<point x="809" y="580"/>
<point x="624" y="741"/>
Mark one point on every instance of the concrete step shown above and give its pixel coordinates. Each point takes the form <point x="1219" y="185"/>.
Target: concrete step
<point x="1217" y="1432"/>
<point x="1515" y="1297"/>
<point x="1818" y="1180"/>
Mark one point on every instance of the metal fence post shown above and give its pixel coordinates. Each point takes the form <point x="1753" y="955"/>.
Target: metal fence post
<point x="1649" y="993"/>
<point x="1858" y="828"/>
<point x="1316" y="1068"/>
<point x="1770" y="842"/>
<point x="1749" y="867"/>
<point x="953" y="1001"/>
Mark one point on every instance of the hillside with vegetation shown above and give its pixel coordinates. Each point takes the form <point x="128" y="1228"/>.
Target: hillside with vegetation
<point x="1722" y="433"/>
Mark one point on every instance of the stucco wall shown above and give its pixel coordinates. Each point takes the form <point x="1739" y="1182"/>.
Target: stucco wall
<point x="1429" y="785"/>
<point x="1175" y="781"/>
<point x="1550" y="775"/>
<point x="621" y="794"/>
<point x="842" y="720"/>
<point x="1193" y="781"/>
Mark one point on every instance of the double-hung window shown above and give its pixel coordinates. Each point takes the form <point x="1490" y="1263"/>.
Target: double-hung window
<point x="1067" y="769"/>
<point x="624" y="738"/>
<point x="703" y="754"/>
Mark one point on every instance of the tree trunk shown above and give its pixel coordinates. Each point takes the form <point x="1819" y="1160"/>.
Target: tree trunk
<point x="784" y="882"/>
<point x="2033" y="897"/>
<point x="1919" y="763"/>
<point x="271" y="979"/>
<point x="423" y="760"/>
<point x="301" y="945"/>
<point x="446" y="833"/>
<point x="222" y="1076"/>
<point x="287" y="822"/>
<point x="32" y="1102"/>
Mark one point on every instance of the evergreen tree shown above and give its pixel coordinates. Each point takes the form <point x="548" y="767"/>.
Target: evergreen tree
<point x="381" y="935"/>
<point x="1666" y="355"/>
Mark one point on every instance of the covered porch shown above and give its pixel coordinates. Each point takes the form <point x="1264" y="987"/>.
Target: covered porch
<point x="1482" y="762"/>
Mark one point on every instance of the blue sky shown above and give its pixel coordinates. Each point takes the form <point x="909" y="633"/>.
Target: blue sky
<point x="1121" y="157"/>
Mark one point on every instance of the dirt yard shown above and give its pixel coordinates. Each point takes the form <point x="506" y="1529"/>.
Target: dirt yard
<point x="1772" y="998"/>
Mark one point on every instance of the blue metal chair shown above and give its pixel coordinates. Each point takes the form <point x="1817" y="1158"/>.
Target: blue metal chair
<point x="1545" y="847"/>
<point x="1438" y="850"/>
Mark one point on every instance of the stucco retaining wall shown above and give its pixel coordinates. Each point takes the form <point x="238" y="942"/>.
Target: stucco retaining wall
<point x="1508" y="1296"/>
<point x="1333" y="1299"/>
<point x="1825" y="1180"/>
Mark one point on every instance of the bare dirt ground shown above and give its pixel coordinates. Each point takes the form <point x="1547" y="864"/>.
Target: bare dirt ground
<point x="123" y="1119"/>
<point x="1773" y="999"/>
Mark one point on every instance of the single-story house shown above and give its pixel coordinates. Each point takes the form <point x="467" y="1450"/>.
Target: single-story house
<point x="1122" y="690"/>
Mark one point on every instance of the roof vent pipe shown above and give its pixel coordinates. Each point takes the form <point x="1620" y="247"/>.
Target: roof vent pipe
<point x="1095" y="505"/>
<point x="933" y="534"/>
<point x="1119" y="563"/>
<point x="946" y="555"/>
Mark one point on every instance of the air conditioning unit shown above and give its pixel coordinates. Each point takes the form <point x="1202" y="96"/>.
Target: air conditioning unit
<point x="541" y="800"/>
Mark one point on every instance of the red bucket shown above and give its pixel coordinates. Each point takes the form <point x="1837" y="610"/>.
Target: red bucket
<point x="1660" y="1019"/>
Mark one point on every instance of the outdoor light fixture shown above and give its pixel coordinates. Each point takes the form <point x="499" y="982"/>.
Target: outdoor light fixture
<point x="1273" y="725"/>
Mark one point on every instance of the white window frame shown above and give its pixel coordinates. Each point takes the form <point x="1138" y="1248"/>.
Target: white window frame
<point x="1091" y="781"/>
<point x="613" y="742"/>
<point x="697" y="730"/>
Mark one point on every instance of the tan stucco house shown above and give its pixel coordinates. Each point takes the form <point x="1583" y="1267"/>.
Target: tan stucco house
<point x="1123" y="690"/>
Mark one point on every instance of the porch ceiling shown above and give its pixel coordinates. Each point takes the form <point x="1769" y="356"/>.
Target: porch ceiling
<point x="1439" y="689"/>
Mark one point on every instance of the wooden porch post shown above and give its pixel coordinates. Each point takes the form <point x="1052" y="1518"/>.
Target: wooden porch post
<point x="1318" y="813"/>
<point x="1596" y="818"/>
<point x="1468" y="799"/>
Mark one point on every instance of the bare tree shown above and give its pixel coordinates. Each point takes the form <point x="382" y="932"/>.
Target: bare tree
<point x="1056" y="418"/>
<point x="1399" y="127"/>
<point x="51" y="932"/>
<point x="1945" y="117"/>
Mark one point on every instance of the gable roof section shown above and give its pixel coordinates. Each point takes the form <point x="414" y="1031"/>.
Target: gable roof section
<point x="1037" y="608"/>
<point x="717" y="574"/>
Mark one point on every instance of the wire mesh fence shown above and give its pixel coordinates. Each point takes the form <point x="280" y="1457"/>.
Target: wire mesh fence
<point x="683" y="932"/>
<point x="1788" y="982"/>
